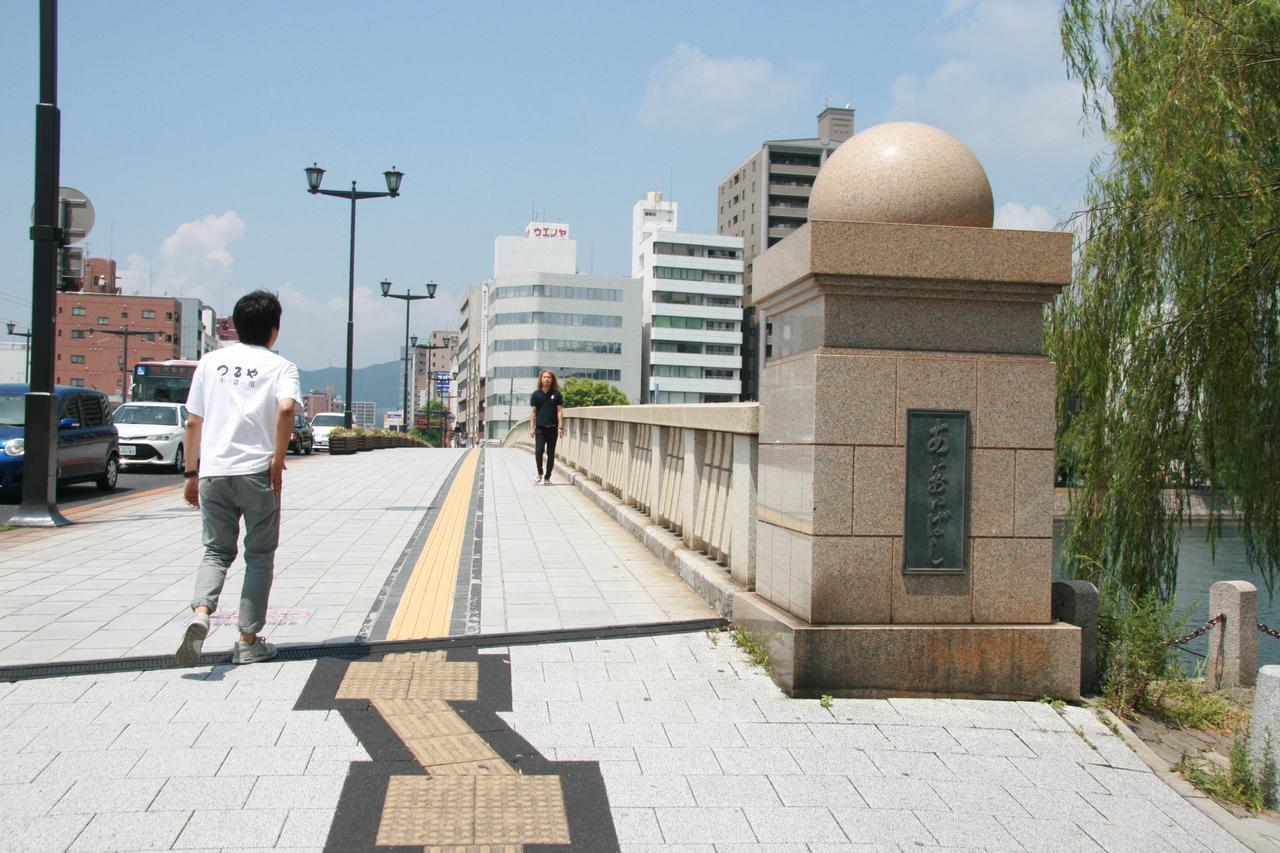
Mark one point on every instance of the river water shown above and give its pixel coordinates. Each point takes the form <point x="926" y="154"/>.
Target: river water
<point x="1199" y="567"/>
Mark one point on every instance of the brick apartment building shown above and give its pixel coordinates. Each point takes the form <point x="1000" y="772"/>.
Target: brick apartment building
<point x="87" y="356"/>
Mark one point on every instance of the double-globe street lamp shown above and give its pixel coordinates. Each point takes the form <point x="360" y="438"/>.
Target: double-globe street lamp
<point x="314" y="176"/>
<point x="125" y="333"/>
<point x="409" y="299"/>
<point x="26" y="375"/>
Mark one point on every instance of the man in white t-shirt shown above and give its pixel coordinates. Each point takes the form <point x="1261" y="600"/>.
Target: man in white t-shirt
<point x="241" y="407"/>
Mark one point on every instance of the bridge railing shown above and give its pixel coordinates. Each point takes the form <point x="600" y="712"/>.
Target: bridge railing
<point x="691" y="469"/>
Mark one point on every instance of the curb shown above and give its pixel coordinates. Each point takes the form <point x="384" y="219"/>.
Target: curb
<point x="1230" y="823"/>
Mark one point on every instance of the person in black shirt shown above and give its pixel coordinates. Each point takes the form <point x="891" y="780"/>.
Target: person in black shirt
<point x="546" y="423"/>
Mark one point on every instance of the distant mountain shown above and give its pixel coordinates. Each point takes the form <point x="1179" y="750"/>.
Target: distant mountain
<point x="380" y="383"/>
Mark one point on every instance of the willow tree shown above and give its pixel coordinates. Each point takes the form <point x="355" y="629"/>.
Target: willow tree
<point x="1168" y="342"/>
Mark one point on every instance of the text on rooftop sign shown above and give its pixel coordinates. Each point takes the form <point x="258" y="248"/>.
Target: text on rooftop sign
<point x="547" y="230"/>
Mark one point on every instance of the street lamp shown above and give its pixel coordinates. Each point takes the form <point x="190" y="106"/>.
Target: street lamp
<point x="314" y="175"/>
<point x="26" y="378"/>
<point x="125" y="333"/>
<point x="409" y="299"/>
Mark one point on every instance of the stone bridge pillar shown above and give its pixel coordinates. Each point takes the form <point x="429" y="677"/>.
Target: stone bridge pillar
<point x="904" y="540"/>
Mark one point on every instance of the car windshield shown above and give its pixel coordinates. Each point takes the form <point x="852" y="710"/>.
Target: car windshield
<point x="12" y="409"/>
<point x="149" y="415"/>
<point x="327" y="421"/>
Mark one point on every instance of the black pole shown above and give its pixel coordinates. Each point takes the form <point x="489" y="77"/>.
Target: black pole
<point x="124" y="370"/>
<point x="40" y="465"/>
<point x="404" y="415"/>
<point x="351" y="305"/>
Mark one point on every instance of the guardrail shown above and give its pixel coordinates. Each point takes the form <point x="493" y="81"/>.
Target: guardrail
<point x="691" y="469"/>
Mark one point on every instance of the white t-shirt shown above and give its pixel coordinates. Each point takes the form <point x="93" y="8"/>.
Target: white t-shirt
<point x="237" y="391"/>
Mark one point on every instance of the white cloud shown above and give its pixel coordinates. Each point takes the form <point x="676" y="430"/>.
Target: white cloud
<point x="1000" y="87"/>
<point x="1021" y="218"/>
<point x="691" y="91"/>
<point x="194" y="261"/>
<point x="204" y="240"/>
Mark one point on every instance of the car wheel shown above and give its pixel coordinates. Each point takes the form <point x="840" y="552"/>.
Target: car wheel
<point x="110" y="474"/>
<point x="179" y="460"/>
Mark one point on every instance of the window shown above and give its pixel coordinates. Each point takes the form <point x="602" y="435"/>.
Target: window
<point x="721" y="349"/>
<point x="684" y="347"/>
<point x="102" y="321"/>
<point x="148" y="314"/>
<point x="602" y="374"/>
<point x="717" y="373"/>
<point x="124" y="315"/>
<point x="678" y="273"/>
<point x="551" y="345"/>
<point x="554" y="291"/>
<point x="76" y="383"/>
<point x="75" y="333"/>
<point x="558" y="319"/>
<point x="663" y="322"/>
<point x="721" y="326"/>
<point x="168" y="315"/>
<point x="78" y="311"/>
<point x="77" y="359"/>
<point x="92" y="410"/>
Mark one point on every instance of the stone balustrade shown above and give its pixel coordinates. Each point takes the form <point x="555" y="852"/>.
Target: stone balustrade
<point x="690" y="469"/>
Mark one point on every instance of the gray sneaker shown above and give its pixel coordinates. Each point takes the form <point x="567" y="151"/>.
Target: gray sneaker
<point x="255" y="652"/>
<point x="193" y="640"/>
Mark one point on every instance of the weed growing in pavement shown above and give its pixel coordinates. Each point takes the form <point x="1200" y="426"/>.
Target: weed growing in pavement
<point x="5" y="528"/>
<point x="754" y="650"/>
<point x="714" y="636"/>
<point x="1183" y="702"/>
<point x="1238" y="783"/>
<point x="1056" y="704"/>
<point x="825" y="700"/>
<point x="1106" y="720"/>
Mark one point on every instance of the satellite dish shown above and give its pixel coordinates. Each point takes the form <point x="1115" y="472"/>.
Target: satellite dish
<point x="75" y="214"/>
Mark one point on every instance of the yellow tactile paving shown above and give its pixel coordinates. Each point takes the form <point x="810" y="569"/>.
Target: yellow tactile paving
<point x="425" y="606"/>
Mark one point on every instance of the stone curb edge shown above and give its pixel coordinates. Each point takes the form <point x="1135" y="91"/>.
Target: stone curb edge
<point x="1164" y="772"/>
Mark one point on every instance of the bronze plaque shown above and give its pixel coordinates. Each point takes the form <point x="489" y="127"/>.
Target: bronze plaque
<point x="936" y="533"/>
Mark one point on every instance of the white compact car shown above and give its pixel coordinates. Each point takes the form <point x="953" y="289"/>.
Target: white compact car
<point x="151" y="434"/>
<point x="321" y="425"/>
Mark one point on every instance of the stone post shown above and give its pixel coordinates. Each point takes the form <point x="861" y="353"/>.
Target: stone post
<point x="657" y="434"/>
<point x="904" y="534"/>
<point x="742" y="512"/>
<point x="628" y="450"/>
<point x="1076" y="603"/>
<point x="695" y="444"/>
<point x="1233" y="645"/>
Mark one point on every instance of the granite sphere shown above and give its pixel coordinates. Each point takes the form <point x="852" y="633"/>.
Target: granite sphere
<point x="903" y="172"/>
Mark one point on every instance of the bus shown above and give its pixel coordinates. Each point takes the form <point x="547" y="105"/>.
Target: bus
<point x="162" y="381"/>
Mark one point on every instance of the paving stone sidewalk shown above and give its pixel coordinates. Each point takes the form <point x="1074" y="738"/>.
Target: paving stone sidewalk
<point x="698" y="751"/>
<point x="118" y="582"/>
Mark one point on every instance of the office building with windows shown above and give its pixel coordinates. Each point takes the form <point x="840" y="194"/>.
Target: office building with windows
<point x="765" y="198"/>
<point x="543" y="315"/>
<point x="692" y="307"/>
<point x="471" y="361"/>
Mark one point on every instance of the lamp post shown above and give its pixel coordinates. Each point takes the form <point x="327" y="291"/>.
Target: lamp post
<point x="409" y="299"/>
<point x="314" y="176"/>
<point x="125" y="333"/>
<point x="26" y="377"/>
<point x="39" y="465"/>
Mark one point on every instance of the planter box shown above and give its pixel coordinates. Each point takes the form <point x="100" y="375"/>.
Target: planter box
<point x="363" y="443"/>
<point x="341" y="446"/>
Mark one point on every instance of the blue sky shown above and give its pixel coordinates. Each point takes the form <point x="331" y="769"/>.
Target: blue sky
<point x="188" y="125"/>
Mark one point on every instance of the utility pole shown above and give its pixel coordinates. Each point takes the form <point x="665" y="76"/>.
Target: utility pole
<point x="125" y="333"/>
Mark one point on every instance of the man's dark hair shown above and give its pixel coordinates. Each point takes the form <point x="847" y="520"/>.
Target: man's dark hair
<point x="255" y="315"/>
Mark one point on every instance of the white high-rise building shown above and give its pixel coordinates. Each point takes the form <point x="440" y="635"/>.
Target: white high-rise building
<point x="543" y="315"/>
<point x="692" y="307"/>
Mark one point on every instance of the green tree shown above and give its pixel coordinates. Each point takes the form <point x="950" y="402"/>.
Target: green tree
<point x="1168" y="341"/>
<point x="591" y="392"/>
<point x="435" y="412"/>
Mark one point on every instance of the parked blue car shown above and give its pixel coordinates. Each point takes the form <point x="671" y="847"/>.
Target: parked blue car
<point x="88" y="446"/>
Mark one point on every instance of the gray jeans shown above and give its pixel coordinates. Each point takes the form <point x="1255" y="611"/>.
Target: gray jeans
<point x="223" y="500"/>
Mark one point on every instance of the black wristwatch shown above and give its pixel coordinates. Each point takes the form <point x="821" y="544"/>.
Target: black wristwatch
<point x="187" y="475"/>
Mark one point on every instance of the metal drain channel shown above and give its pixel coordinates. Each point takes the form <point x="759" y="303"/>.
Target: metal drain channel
<point x="315" y="651"/>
